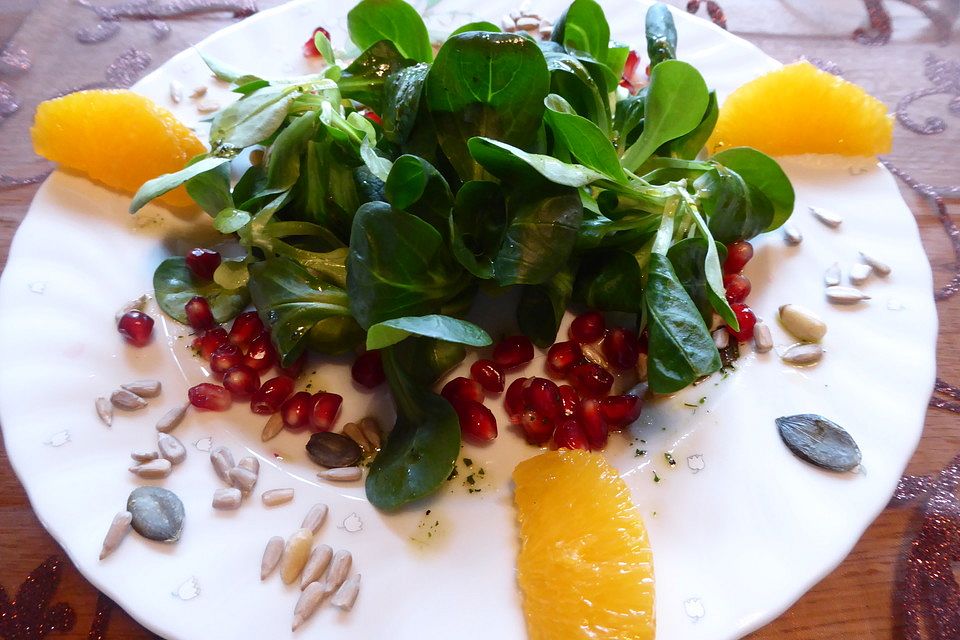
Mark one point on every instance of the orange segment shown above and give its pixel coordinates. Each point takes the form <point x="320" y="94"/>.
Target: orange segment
<point x="801" y="109"/>
<point x="117" y="137"/>
<point x="585" y="565"/>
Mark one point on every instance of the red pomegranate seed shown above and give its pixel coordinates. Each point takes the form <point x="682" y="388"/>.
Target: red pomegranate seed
<point x="590" y="380"/>
<point x="261" y="355"/>
<point x="461" y="389"/>
<point x="588" y="327"/>
<point x="324" y="410"/>
<point x="543" y="396"/>
<point x="513" y="401"/>
<point x="295" y="368"/>
<point x="372" y="116"/>
<point x="747" y="320"/>
<point x="211" y="397"/>
<point x="295" y="410"/>
<point x="738" y="255"/>
<point x="225" y="357"/>
<point x="629" y="70"/>
<point x="241" y="381"/>
<point x="310" y="48"/>
<point x="620" y="411"/>
<point x="199" y="315"/>
<point x="136" y="327"/>
<point x="489" y="374"/>
<point x="537" y="429"/>
<point x="621" y="348"/>
<point x="270" y="396"/>
<point x="367" y="370"/>
<point x="513" y="351"/>
<point x="570" y="435"/>
<point x="246" y="327"/>
<point x="203" y="262"/>
<point x="737" y="287"/>
<point x="562" y="356"/>
<point x="210" y="341"/>
<point x="593" y="424"/>
<point x="569" y="398"/>
<point x="477" y="422"/>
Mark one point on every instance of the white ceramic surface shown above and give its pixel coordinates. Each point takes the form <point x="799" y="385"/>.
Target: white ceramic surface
<point x="740" y="527"/>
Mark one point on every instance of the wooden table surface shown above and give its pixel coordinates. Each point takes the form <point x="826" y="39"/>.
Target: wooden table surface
<point x="858" y="599"/>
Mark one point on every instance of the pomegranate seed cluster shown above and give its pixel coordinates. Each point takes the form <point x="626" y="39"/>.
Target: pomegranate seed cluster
<point x="737" y="287"/>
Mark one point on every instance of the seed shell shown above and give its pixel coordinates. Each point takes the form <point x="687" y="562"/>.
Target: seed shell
<point x="315" y="518"/>
<point x="104" y="411"/>
<point x="317" y="563"/>
<point x="309" y="600"/>
<point x="127" y="400"/>
<point x="295" y="554"/>
<point x="157" y="513"/>
<point x="271" y="556"/>
<point x="762" y="339"/>
<point x="341" y="474"/>
<point x="272" y="428"/>
<point x="802" y="323"/>
<point x="819" y="441"/>
<point x="171" y="448"/>
<point x="346" y="595"/>
<point x="276" y="497"/>
<point x="153" y="470"/>
<point x="339" y="568"/>
<point x="227" y="498"/>
<point x="803" y="353"/>
<point x="845" y="295"/>
<point x="172" y="418"/>
<point x="118" y="530"/>
<point x="222" y="461"/>
<point x="143" y="388"/>
<point x="827" y="217"/>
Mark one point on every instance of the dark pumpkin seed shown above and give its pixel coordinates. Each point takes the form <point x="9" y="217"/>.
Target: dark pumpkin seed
<point x="157" y="513"/>
<point x="333" y="450"/>
<point x="819" y="441"/>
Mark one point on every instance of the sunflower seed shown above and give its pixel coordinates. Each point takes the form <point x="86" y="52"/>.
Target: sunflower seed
<point x="845" y="295"/>
<point x="272" y="428"/>
<point x="250" y="463"/>
<point x="859" y="273"/>
<point x="827" y="217"/>
<point x="172" y="418"/>
<point x="271" y="556"/>
<point x="137" y="304"/>
<point x="198" y="91"/>
<point x="339" y="568"/>
<point x="127" y="400"/>
<point x="762" y="339"/>
<point x="118" y="530"/>
<point x="352" y="431"/>
<point x="792" y="235"/>
<point x="143" y="388"/>
<point x="802" y="353"/>
<point x="341" y="474"/>
<point x="157" y="513"/>
<point x="330" y="450"/>
<point x="208" y="106"/>
<point x="242" y="479"/>
<point x="153" y="470"/>
<point x="347" y="593"/>
<point x="528" y="24"/>
<point x="721" y="338"/>
<point x="882" y="268"/>
<point x="176" y="91"/>
<point x="276" y="497"/>
<point x="315" y="518"/>
<point x="371" y="431"/>
<point x="295" y="554"/>
<point x="144" y="456"/>
<point x="222" y="461"/>
<point x="802" y="323"/>
<point x="546" y="30"/>
<point x="104" y="410"/>
<point x="309" y="600"/>
<point x="317" y="563"/>
<point x="227" y="498"/>
<point x="831" y="277"/>
<point x="171" y="448"/>
<point x="819" y="441"/>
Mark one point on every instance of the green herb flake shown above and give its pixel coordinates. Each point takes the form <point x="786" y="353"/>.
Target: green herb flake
<point x="669" y="458"/>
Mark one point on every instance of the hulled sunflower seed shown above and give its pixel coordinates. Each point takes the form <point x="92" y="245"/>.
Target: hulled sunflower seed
<point x="802" y="323"/>
<point x="144" y="456"/>
<point x="309" y="600"/>
<point x="208" y="106"/>
<point x="721" y="338"/>
<point x="198" y="91"/>
<point x="271" y="556"/>
<point x="227" y="498"/>
<point x="172" y="418"/>
<point x="176" y="91"/>
<point x="171" y="448"/>
<point x="315" y="517"/>
<point x="762" y="339"/>
<point x="104" y="410"/>
<point x="341" y="474"/>
<point x="803" y="353"/>
<point x="242" y="479"/>
<point x="137" y="304"/>
<point x="250" y="463"/>
<point x="346" y="595"/>
<point x="295" y="554"/>
<point x="859" y="273"/>
<point x="831" y="277"/>
<point x="882" y="268"/>
<point x="118" y="530"/>
<point x="339" y="568"/>
<point x="827" y="217"/>
<point x="845" y="295"/>
<point x="792" y="235"/>
<point x="317" y="563"/>
<point x="352" y="431"/>
<point x="143" y="388"/>
<point x="276" y="497"/>
<point x="153" y="470"/>
<point x="222" y="461"/>
<point x="371" y="431"/>
<point x="127" y="400"/>
<point x="272" y="428"/>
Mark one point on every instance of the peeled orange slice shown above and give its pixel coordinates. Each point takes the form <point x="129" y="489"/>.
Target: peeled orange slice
<point x="119" y="138"/>
<point x="800" y="109"/>
<point x="585" y="565"/>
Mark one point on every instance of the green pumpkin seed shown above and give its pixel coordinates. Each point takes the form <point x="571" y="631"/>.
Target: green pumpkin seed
<point x="157" y="513"/>
<point x="819" y="441"/>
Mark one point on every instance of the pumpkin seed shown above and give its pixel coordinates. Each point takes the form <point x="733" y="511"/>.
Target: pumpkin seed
<point x="333" y="450"/>
<point x="222" y="461"/>
<point x="127" y="400"/>
<point x="227" y="498"/>
<point x="309" y="600"/>
<point x="347" y="593"/>
<point x="143" y="388"/>
<point x="859" y="273"/>
<point x="762" y="339"/>
<point x="275" y="497"/>
<point x="341" y="474"/>
<point x="317" y="563"/>
<point x="831" y="277"/>
<point x="272" y="428"/>
<point x="171" y="448"/>
<point x="315" y="518"/>
<point x="295" y="554"/>
<point x="339" y="568"/>
<point x="827" y="217"/>
<point x="802" y="323"/>
<point x="157" y="513"/>
<point x="819" y="441"/>
<point x="242" y="479"/>
<point x="118" y="530"/>
<point x="144" y="456"/>
<point x="792" y="235"/>
<point x="845" y="295"/>
<point x="172" y="418"/>
<point x="803" y="353"/>
<point x="104" y="411"/>
<point x="882" y="268"/>
<point x="271" y="556"/>
<point x="153" y="470"/>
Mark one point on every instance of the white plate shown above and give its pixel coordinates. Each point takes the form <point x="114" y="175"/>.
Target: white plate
<point x="740" y="528"/>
